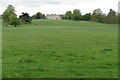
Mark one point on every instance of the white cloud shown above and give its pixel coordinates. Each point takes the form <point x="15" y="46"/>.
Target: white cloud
<point x="58" y="6"/>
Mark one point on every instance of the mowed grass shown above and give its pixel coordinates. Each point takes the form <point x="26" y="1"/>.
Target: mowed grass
<point x="60" y="49"/>
<point x="0" y="48"/>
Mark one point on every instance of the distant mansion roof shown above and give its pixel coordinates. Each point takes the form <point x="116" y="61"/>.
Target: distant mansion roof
<point x="53" y="16"/>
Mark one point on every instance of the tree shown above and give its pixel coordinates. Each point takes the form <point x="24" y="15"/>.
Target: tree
<point x="101" y="18"/>
<point x="14" y="20"/>
<point x="68" y="15"/>
<point x="87" y="17"/>
<point x="38" y="15"/>
<point x="118" y="18"/>
<point x="43" y="16"/>
<point x="7" y="13"/>
<point x="62" y="16"/>
<point x="76" y="15"/>
<point x="25" y="18"/>
<point x="97" y="15"/>
<point x="0" y="16"/>
<point x="111" y="17"/>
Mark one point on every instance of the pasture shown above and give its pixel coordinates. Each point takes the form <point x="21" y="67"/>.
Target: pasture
<point x="60" y="49"/>
<point x="0" y="49"/>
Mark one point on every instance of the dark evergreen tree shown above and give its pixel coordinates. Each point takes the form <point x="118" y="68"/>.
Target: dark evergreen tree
<point x="25" y="18"/>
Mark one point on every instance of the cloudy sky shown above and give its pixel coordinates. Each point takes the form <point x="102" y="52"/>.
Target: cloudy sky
<point x="58" y="6"/>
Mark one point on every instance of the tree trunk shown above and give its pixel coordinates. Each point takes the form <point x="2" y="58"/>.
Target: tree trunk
<point x="15" y="25"/>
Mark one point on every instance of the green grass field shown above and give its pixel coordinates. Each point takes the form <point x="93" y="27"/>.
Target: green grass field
<point x="0" y="48"/>
<point x="60" y="49"/>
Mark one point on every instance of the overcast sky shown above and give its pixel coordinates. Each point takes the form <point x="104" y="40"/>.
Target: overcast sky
<point x="58" y="6"/>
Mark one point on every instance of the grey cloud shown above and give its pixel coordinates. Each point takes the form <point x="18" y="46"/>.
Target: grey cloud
<point x="29" y="3"/>
<point x="34" y="3"/>
<point x="65" y="4"/>
<point x="52" y="2"/>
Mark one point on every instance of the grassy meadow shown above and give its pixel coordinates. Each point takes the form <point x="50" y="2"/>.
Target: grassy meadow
<point x="0" y="48"/>
<point x="60" y="49"/>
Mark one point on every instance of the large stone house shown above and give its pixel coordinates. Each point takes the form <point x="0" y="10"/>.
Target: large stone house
<point x="53" y="16"/>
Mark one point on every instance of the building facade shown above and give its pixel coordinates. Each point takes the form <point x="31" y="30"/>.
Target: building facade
<point x="53" y="16"/>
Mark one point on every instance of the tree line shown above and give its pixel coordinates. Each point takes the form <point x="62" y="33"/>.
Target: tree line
<point x="10" y="17"/>
<point x="96" y="16"/>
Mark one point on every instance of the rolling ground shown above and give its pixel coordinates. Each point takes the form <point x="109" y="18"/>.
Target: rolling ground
<point x="60" y="49"/>
<point x="0" y="48"/>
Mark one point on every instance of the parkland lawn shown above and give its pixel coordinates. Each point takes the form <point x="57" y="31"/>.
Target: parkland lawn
<point x="0" y="49"/>
<point x="60" y="49"/>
